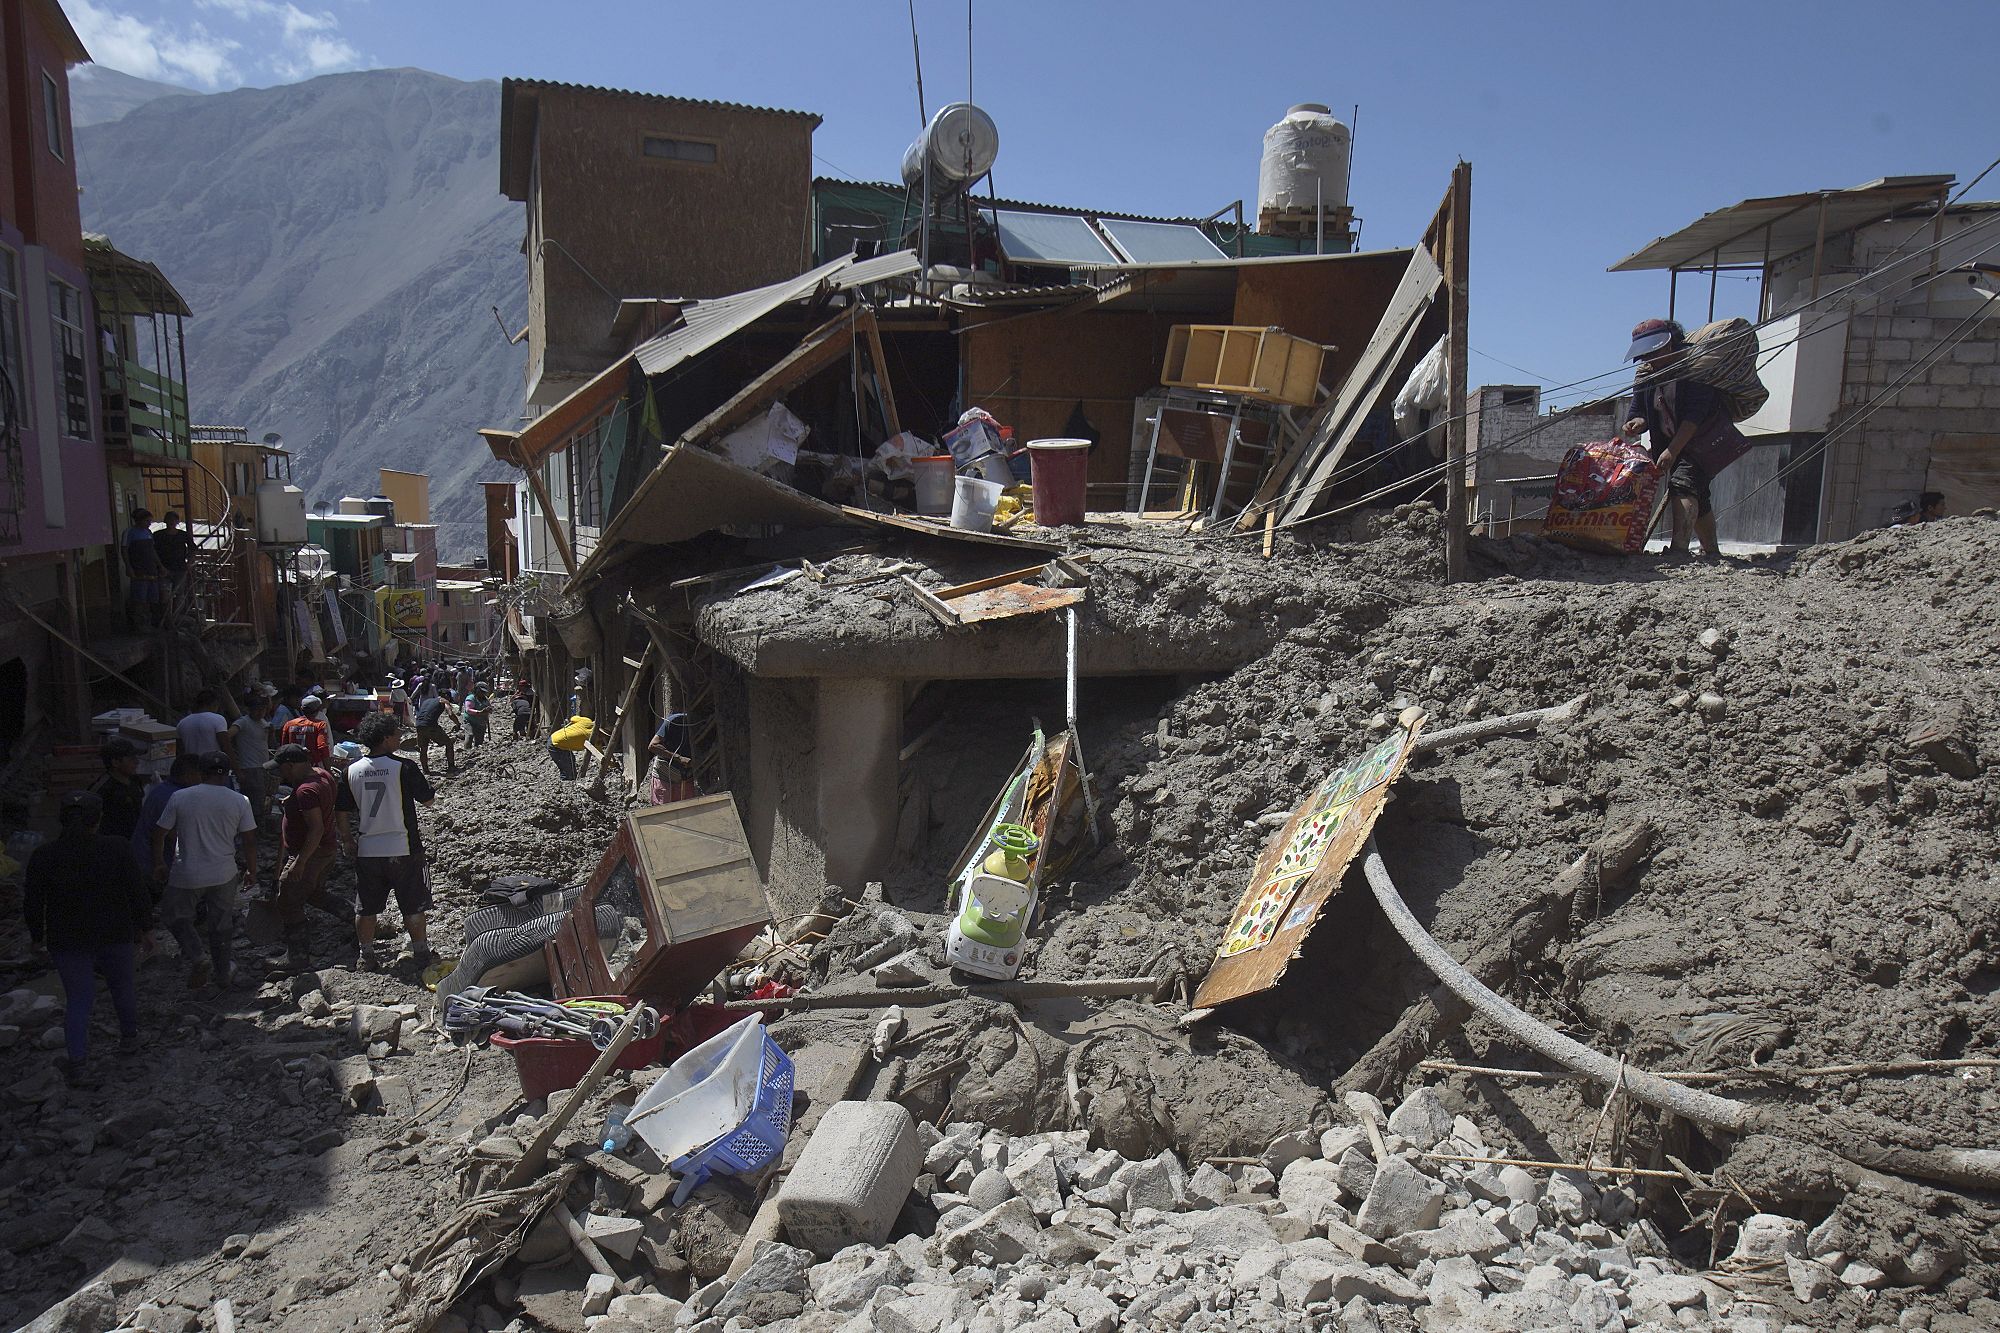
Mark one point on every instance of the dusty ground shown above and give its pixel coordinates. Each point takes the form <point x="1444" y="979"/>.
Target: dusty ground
<point x="1823" y="893"/>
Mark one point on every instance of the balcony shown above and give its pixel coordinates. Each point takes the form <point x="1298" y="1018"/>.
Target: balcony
<point x="145" y="415"/>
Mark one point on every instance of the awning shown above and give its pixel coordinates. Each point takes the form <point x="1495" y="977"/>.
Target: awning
<point x="1756" y="231"/>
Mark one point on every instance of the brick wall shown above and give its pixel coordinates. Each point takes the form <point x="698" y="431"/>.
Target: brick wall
<point x="1514" y="439"/>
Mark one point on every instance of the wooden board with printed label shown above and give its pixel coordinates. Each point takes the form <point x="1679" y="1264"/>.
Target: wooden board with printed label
<point x="1301" y="868"/>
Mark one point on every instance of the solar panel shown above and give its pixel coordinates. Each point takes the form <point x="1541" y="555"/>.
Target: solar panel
<point x="1159" y="242"/>
<point x="1049" y="238"/>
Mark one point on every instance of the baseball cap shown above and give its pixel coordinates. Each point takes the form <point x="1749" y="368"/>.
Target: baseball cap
<point x="215" y="761"/>
<point x="1653" y="335"/>
<point x="119" y="747"/>
<point x="293" y="754"/>
<point x="81" y="803"/>
<point x="311" y="704"/>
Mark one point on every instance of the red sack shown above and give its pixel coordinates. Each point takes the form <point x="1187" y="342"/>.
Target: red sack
<point x="1603" y="497"/>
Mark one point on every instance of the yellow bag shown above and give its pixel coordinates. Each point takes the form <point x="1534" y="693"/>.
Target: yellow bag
<point x="572" y="734"/>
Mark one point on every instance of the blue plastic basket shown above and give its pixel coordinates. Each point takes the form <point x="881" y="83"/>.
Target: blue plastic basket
<point x="756" y="1141"/>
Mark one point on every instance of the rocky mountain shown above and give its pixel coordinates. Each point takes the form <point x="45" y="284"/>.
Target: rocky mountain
<point x="99" y="94"/>
<point x="343" y="244"/>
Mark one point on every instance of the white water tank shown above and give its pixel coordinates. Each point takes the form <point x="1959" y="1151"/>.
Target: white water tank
<point x="962" y="142"/>
<point x="281" y="514"/>
<point x="1305" y="161"/>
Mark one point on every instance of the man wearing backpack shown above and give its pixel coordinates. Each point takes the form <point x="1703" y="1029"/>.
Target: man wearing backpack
<point x="309" y="729"/>
<point x="1692" y="429"/>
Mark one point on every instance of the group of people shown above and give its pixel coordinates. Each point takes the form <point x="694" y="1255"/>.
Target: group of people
<point x="178" y="853"/>
<point x="156" y="566"/>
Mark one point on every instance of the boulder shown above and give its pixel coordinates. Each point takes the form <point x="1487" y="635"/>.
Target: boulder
<point x="1422" y="1119"/>
<point x="773" y="1287"/>
<point x="1310" y="1187"/>
<point x="1033" y="1175"/>
<point x="1401" y="1199"/>
<point x="1002" y="1235"/>
<point x="1767" y="1238"/>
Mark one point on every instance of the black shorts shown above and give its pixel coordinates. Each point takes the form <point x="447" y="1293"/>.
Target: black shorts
<point x="376" y="877"/>
<point x="1690" y="480"/>
<point x="433" y="735"/>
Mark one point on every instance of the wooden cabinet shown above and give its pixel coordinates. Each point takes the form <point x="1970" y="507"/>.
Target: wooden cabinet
<point x="1231" y="358"/>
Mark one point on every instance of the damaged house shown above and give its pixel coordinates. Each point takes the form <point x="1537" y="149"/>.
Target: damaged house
<point x="736" y="373"/>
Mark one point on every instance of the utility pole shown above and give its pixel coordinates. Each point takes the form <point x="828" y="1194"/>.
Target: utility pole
<point x="1458" y="257"/>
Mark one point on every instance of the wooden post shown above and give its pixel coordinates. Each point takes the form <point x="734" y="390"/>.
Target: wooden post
<point x="888" y="395"/>
<point x="75" y="686"/>
<point x="1458" y="246"/>
<point x="1819" y="247"/>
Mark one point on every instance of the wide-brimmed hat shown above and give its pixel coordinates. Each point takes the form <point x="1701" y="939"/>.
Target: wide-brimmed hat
<point x="1653" y="335"/>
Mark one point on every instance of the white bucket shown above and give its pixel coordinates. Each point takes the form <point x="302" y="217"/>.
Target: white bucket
<point x="934" y="477"/>
<point x="973" y="503"/>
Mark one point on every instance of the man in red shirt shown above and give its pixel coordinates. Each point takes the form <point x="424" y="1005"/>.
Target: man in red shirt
<point x="310" y="730"/>
<point x="309" y="843"/>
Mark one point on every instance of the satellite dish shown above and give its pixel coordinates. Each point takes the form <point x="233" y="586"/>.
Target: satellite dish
<point x="322" y="506"/>
<point x="273" y="439"/>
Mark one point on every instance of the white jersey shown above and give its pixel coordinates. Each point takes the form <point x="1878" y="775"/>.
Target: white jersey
<point x="383" y="792"/>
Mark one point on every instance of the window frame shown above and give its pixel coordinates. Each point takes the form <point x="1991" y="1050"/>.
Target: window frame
<point x="13" y="344"/>
<point x="52" y="112"/>
<point x="65" y="422"/>
<point x="649" y="137"/>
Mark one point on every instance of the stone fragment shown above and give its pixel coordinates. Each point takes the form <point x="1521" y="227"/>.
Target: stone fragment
<point x="1356" y="1244"/>
<point x="1811" y="1281"/>
<point x="853" y="1177"/>
<point x="1655" y="1298"/>
<point x="849" y="1280"/>
<point x="598" y="1290"/>
<point x="615" y="1235"/>
<point x="1003" y="1235"/>
<point x="989" y="1189"/>
<point x="1520" y="1184"/>
<point x="773" y="1287"/>
<point x="1711" y="705"/>
<point x="1568" y="1197"/>
<point x="1310" y="1187"/>
<point x="1356" y="1173"/>
<point x="648" y="1309"/>
<point x="1033" y="1176"/>
<point x="1209" y="1187"/>
<point x="1308" y="1279"/>
<point x="1861" y="1273"/>
<point x="1713" y="641"/>
<point x="1400" y="1199"/>
<point x="1288" y="1148"/>
<point x="1422" y="1118"/>
<point x="370" y="1024"/>
<point x="1463" y="1233"/>
<point x="1335" y="1143"/>
<point x="1153" y="1183"/>
<point x="1766" y="1238"/>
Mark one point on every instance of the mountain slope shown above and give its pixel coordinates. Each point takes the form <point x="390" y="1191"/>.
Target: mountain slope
<point x="99" y="94"/>
<point x="342" y="242"/>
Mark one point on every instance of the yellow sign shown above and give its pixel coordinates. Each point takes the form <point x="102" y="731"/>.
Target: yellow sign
<point x="400" y="608"/>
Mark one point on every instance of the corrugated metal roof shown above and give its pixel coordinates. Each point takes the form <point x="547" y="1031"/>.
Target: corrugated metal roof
<point x="1755" y="231"/>
<point x="813" y="116"/>
<point x="706" y="323"/>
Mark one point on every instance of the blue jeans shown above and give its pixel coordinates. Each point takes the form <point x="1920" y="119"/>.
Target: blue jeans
<point x="79" y="970"/>
<point x="565" y="762"/>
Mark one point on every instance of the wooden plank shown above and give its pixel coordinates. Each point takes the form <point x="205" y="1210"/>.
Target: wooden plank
<point x="929" y="601"/>
<point x="980" y="585"/>
<point x="821" y="348"/>
<point x="1458" y="278"/>
<point x="923" y="527"/>
<point x="882" y="386"/>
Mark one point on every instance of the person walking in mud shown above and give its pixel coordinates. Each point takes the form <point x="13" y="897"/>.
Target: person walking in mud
<point x="1676" y="412"/>
<point x="382" y="793"/>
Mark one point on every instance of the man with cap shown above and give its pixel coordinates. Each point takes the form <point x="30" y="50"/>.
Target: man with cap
<point x="185" y="771"/>
<point x="1674" y="412"/>
<point x="307" y="832"/>
<point x="86" y="900"/>
<point x="122" y="789"/>
<point x="210" y="821"/>
<point x="309" y="729"/>
<point x="382" y="793"/>
<point x="432" y="713"/>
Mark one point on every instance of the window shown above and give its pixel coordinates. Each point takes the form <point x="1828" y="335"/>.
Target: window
<point x="242" y="480"/>
<point x="72" y="383"/>
<point x="10" y="336"/>
<point x="52" y="109"/>
<point x="679" y="150"/>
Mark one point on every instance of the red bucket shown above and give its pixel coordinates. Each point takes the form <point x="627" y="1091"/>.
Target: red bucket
<point x="547" y="1065"/>
<point x="1060" y="469"/>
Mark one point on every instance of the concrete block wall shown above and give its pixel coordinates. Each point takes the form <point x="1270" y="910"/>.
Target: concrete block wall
<point x="1883" y="461"/>
<point x="1514" y="439"/>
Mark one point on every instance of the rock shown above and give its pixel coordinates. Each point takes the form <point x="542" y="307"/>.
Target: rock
<point x="1656" y="1298"/>
<point x="1463" y="1233"/>
<point x="1422" y="1118"/>
<point x="1713" y="641"/>
<point x="1356" y="1244"/>
<point x="1520" y="1184"/>
<point x="1711" y="705"/>
<point x="773" y="1287"/>
<point x="1310" y="1188"/>
<point x="598" y="1289"/>
<point x="1033" y="1176"/>
<point x="905" y="969"/>
<point x="846" y="1282"/>
<point x="1595" y="1310"/>
<point x="1209" y="1186"/>
<point x="648" y="1310"/>
<point x="1153" y="1183"/>
<point x="954" y="1147"/>
<point x="1568" y="1197"/>
<point x="1811" y="1281"/>
<point x="1168" y="1306"/>
<point x="1400" y="1199"/>
<point x="1928" y="1262"/>
<point x="1229" y="1231"/>
<point x="1095" y="1170"/>
<point x="1253" y="1179"/>
<point x="925" y="1308"/>
<point x="615" y="1235"/>
<point x="370" y="1024"/>
<point x="989" y="1189"/>
<point x="1364" y="1107"/>
<point x="1860" y="1273"/>
<point x="1336" y="1142"/>
<point x="1767" y="1238"/>
<point x="90" y="1309"/>
<point x="1356" y="1174"/>
<point x="1308" y="1279"/>
<point x="314" y="1004"/>
<point x="1004" y="1235"/>
<point x="708" y="1230"/>
<point x="1288" y="1148"/>
<point x="1093" y="1311"/>
<point x="853" y="1177"/>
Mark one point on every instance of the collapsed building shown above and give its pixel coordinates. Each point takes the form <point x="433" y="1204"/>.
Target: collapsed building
<point x="1221" y="377"/>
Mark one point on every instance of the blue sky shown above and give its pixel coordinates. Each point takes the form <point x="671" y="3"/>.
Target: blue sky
<point x="1591" y="127"/>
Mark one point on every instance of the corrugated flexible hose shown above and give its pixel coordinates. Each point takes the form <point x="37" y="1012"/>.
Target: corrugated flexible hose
<point x="1971" y="1168"/>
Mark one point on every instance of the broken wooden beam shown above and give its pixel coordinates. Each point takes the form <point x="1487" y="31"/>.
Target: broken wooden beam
<point x="913" y="996"/>
<point x="1500" y="726"/>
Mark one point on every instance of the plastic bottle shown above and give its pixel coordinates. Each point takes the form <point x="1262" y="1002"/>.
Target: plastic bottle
<point x="617" y="1134"/>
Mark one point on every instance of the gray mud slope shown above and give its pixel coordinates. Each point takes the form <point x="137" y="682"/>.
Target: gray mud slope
<point x="1824" y="891"/>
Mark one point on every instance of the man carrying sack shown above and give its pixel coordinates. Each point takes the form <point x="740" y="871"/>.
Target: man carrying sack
<point x="1690" y="419"/>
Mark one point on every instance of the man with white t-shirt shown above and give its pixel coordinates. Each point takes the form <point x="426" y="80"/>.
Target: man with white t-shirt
<point x="201" y="731"/>
<point x="209" y="821"/>
<point x="383" y="792"/>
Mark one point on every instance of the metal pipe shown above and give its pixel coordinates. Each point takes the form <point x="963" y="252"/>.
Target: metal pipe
<point x="914" y="996"/>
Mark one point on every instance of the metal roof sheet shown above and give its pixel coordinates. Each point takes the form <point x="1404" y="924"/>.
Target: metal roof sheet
<point x="1738" y="234"/>
<point x="706" y="323"/>
<point x="1160" y="241"/>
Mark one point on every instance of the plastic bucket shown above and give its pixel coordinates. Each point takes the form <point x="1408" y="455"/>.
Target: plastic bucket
<point x="547" y="1065"/>
<point x="973" y="503"/>
<point x="934" y="475"/>
<point x="1060" y="469"/>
